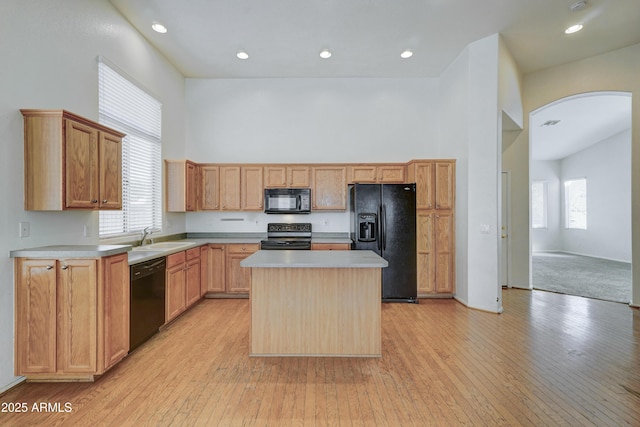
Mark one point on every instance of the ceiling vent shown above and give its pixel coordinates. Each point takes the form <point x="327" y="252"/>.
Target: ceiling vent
<point x="550" y="123"/>
<point x="579" y="5"/>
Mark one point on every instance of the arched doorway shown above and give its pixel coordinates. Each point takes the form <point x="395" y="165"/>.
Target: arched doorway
<point x="580" y="204"/>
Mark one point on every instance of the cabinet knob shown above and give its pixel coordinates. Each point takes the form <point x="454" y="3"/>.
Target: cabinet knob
<point x="105" y="201"/>
<point x="64" y="267"/>
<point x="94" y="201"/>
<point x="49" y="267"/>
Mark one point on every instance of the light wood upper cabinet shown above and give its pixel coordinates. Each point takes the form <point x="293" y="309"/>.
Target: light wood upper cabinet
<point x="435" y="183"/>
<point x="209" y="187"/>
<point x="181" y="185"/>
<point x="252" y="190"/>
<point x="329" y="191"/>
<point x="290" y="176"/>
<point x="444" y="185"/>
<point x="70" y="162"/>
<point x="230" y="188"/>
<point x="72" y="316"/>
<point x="385" y="173"/>
<point x="110" y="171"/>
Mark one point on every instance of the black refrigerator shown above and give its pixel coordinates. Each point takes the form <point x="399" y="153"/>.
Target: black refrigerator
<point x="383" y="219"/>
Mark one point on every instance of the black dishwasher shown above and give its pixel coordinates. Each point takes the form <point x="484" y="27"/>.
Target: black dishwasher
<point x="147" y="300"/>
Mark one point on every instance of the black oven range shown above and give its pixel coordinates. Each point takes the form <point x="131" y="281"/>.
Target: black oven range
<point x="296" y="236"/>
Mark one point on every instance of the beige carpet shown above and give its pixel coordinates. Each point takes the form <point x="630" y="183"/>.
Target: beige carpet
<point x="583" y="276"/>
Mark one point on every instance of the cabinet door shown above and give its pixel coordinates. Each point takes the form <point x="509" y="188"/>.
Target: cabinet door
<point x="192" y="276"/>
<point x="175" y="294"/>
<point x="210" y="187"/>
<point x="444" y="253"/>
<point x="298" y="176"/>
<point x="329" y="188"/>
<point x="275" y="176"/>
<point x="362" y="174"/>
<point x="390" y="174"/>
<point x="216" y="268"/>
<point x="77" y="309"/>
<point x="81" y="166"/>
<point x="422" y="173"/>
<point x="444" y="185"/>
<point x="425" y="252"/>
<point x="115" y="285"/>
<point x="191" y="190"/>
<point x="35" y="316"/>
<point x="252" y="190"/>
<point x="230" y="188"/>
<point x="110" y="171"/>
<point x="239" y="278"/>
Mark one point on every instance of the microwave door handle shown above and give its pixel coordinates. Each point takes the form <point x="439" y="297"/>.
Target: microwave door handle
<point x="298" y="202"/>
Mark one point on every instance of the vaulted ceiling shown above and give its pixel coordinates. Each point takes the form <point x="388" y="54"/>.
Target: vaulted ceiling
<point x="284" y="37"/>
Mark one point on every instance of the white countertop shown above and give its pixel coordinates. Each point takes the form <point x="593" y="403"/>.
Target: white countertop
<point x="314" y="259"/>
<point x="147" y="252"/>
<point x="70" y="251"/>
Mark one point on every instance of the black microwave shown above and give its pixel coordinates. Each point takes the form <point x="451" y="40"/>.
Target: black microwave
<point x="287" y="200"/>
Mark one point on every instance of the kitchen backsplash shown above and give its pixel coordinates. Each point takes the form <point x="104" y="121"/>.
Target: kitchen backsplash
<point x="250" y="222"/>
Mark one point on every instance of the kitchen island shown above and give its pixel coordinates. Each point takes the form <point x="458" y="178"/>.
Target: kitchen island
<point x="315" y="303"/>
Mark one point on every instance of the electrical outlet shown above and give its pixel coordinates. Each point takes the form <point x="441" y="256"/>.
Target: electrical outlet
<point x="25" y="229"/>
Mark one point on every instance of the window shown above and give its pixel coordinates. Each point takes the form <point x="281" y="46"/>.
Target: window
<point x="539" y="204"/>
<point x="575" y="203"/>
<point x="129" y="109"/>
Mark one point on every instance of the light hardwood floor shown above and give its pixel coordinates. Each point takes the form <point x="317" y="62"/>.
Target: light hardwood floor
<point x="549" y="359"/>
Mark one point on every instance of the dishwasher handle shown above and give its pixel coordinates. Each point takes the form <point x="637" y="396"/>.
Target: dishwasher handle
<point x="147" y="268"/>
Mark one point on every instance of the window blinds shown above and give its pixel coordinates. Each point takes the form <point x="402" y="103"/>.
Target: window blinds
<point x="126" y="107"/>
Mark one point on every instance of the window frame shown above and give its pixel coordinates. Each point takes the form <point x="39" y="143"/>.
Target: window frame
<point x="142" y="178"/>
<point x="569" y="223"/>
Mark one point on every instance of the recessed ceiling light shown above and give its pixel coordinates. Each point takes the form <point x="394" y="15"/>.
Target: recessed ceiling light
<point x="159" y="28"/>
<point x="406" y="54"/>
<point x="325" y="54"/>
<point x="573" y="29"/>
<point x="242" y="54"/>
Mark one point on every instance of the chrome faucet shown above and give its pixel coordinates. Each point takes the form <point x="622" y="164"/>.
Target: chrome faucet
<point x="145" y="233"/>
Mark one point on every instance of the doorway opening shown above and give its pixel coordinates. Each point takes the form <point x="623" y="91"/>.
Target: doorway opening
<point x="580" y="205"/>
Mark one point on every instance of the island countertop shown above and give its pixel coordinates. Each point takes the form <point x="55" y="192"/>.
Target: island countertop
<point x="314" y="259"/>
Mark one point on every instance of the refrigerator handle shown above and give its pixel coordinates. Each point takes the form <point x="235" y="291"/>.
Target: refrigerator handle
<point x="379" y="239"/>
<point x="384" y="228"/>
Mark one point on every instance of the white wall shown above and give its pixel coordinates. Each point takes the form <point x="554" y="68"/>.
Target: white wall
<point x="49" y="50"/>
<point x="482" y="82"/>
<point x="306" y="120"/>
<point x="613" y="71"/>
<point x="607" y="167"/>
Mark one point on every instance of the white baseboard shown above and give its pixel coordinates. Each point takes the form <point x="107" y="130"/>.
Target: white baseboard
<point x="14" y="383"/>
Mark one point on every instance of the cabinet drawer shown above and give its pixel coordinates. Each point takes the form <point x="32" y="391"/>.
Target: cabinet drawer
<point x="330" y="246"/>
<point x="175" y="259"/>
<point x="193" y="253"/>
<point x="246" y="247"/>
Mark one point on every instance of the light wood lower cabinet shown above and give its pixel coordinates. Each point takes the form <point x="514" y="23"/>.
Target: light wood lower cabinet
<point x="224" y="274"/>
<point x="239" y="278"/>
<point x="72" y="317"/>
<point x="182" y="282"/>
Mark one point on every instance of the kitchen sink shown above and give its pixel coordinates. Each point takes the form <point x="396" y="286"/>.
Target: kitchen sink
<point x="163" y="246"/>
